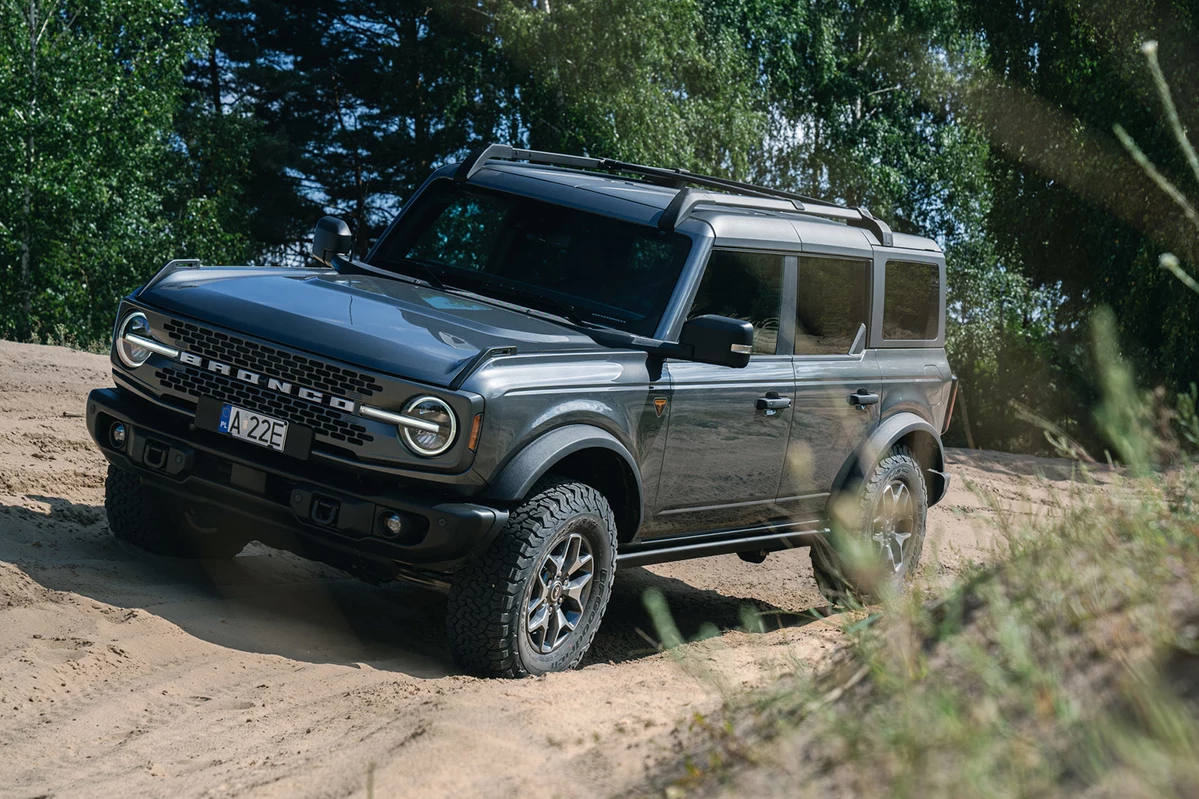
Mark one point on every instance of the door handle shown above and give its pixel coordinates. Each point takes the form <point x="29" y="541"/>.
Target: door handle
<point x="773" y="402"/>
<point x="861" y="398"/>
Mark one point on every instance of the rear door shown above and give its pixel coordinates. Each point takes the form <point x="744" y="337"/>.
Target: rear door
<point x="728" y="431"/>
<point x="838" y="384"/>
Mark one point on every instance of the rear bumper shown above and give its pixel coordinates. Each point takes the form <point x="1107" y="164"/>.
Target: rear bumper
<point x="322" y="513"/>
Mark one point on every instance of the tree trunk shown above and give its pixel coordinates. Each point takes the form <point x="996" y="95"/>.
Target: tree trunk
<point x="966" y="421"/>
<point x="24" y="327"/>
<point x="214" y="81"/>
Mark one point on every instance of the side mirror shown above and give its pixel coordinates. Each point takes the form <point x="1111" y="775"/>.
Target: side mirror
<point x="331" y="237"/>
<point x="718" y="340"/>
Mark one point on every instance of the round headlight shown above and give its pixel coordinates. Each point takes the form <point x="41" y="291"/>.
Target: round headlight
<point x="131" y="354"/>
<point x="428" y="442"/>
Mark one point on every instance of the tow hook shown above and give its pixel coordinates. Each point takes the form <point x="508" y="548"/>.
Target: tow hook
<point x="324" y="510"/>
<point x="156" y="455"/>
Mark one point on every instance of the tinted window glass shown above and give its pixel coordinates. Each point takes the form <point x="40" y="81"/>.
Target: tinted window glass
<point x="746" y="286"/>
<point x="538" y="254"/>
<point x="832" y="305"/>
<point x="911" y="301"/>
<point x="463" y="235"/>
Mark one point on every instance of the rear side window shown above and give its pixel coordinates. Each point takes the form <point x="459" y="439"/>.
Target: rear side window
<point x="911" y="301"/>
<point x="746" y="286"/>
<point x="831" y="301"/>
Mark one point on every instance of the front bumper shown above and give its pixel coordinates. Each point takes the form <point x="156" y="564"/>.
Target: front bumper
<point x="322" y="513"/>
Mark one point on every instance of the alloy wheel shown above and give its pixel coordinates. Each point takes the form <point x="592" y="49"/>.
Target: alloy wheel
<point x="893" y="525"/>
<point x="559" y="593"/>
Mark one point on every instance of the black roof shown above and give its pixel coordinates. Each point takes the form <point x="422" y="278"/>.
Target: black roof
<point x="734" y="193"/>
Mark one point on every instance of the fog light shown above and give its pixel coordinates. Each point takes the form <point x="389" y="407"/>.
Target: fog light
<point x="117" y="434"/>
<point x="392" y="524"/>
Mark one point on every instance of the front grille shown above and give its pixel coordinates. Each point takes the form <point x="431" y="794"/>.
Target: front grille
<point x="326" y="421"/>
<point x="307" y="372"/>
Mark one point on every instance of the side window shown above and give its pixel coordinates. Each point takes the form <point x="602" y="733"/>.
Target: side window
<point x="911" y="301"/>
<point x="831" y="303"/>
<point x="747" y="286"/>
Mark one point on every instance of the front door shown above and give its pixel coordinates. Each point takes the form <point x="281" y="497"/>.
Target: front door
<point x="833" y="307"/>
<point x="728" y="428"/>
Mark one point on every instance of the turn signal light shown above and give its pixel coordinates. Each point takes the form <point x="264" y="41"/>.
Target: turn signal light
<point x="475" y="427"/>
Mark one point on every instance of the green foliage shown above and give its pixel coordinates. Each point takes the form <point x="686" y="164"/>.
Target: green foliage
<point x="640" y="80"/>
<point x="1188" y="415"/>
<point x="852" y="116"/>
<point x="140" y="130"/>
<point x="88" y="95"/>
<point x="1065" y="669"/>
<point x="1068" y="210"/>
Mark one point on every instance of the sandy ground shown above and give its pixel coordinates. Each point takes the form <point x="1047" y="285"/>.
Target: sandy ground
<point x="269" y="676"/>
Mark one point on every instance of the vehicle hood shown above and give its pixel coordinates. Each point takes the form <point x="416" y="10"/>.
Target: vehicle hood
<point x="390" y="326"/>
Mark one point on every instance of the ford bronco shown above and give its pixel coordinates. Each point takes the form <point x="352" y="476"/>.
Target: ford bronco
<point x="547" y="367"/>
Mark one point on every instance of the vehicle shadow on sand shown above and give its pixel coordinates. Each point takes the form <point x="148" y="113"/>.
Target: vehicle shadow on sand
<point x="272" y="602"/>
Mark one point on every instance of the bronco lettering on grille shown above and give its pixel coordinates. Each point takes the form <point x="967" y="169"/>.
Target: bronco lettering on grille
<point x="272" y="384"/>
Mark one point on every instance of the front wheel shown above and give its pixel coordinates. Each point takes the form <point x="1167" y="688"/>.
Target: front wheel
<point x="139" y="515"/>
<point x="878" y="534"/>
<point x="533" y="601"/>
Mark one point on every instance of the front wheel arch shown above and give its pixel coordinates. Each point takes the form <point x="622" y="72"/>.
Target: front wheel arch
<point x="579" y="452"/>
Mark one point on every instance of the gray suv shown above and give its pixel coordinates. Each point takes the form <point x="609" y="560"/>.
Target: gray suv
<point x="547" y="367"/>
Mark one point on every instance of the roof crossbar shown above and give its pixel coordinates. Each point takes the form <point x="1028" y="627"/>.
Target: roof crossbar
<point x="686" y="200"/>
<point x="752" y="196"/>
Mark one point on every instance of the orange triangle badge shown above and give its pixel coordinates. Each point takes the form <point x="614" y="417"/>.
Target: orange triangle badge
<point x="659" y="405"/>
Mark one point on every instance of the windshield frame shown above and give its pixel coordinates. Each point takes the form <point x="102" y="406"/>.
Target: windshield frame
<point x="602" y="206"/>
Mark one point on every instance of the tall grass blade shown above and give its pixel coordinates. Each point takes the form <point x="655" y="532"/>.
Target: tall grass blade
<point x="1157" y="177"/>
<point x="1163" y="89"/>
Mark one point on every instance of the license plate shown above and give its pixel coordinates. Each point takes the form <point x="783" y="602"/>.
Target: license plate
<point x="253" y="427"/>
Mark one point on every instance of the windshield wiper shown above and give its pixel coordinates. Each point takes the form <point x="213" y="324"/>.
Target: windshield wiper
<point x="556" y="307"/>
<point x="486" y="287"/>
<point x="344" y="265"/>
<point x="431" y="277"/>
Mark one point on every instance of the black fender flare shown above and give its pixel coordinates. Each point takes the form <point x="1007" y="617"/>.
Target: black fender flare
<point x="887" y="434"/>
<point x="522" y="471"/>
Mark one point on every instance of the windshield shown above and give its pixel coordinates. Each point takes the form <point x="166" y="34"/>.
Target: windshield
<point x="601" y="270"/>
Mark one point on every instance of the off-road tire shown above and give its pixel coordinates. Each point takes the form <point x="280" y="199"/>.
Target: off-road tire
<point x="138" y="515"/>
<point x="840" y="582"/>
<point x="486" y="617"/>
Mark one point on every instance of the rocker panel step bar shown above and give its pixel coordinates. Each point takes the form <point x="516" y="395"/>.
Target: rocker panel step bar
<point x="686" y="547"/>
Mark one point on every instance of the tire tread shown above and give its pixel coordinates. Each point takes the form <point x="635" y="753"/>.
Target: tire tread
<point x="137" y="516"/>
<point x="834" y="584"/>
<point x="483" y="616"/>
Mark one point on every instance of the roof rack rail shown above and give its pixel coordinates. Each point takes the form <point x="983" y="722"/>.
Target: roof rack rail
<point x="687" y="199"/>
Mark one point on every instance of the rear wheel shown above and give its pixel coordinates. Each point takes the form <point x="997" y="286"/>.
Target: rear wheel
<point x="878" y="538"/>
<point x="139" y="515"/>
<point x="533" y="601"/>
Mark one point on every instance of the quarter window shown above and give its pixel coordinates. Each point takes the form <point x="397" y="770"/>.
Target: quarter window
<point x="746" y="286"/>
<point x="831" y="302"/>
<point x="911" y="301"/>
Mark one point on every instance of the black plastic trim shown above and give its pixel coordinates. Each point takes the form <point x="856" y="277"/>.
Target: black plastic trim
<point x="474" y="363"/>
<point x="452" y="531"/>
<point x="522" y="472"/>
<point x="884" y="436"/>
<point x="767" y="538"/>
